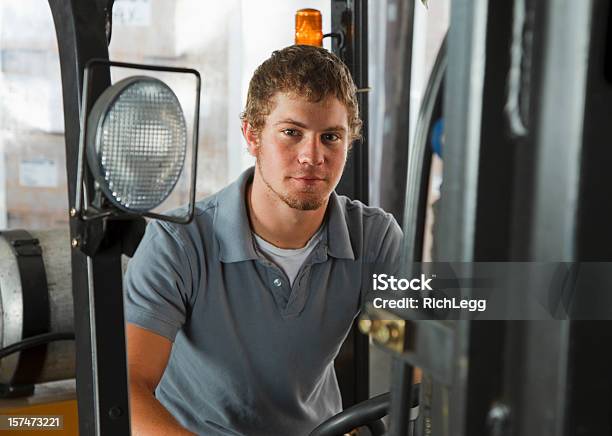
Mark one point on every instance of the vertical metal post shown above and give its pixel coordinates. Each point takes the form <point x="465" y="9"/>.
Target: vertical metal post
<point x="350" y="17"/>
<point x="98" y="301"/>
<point x="396" y="136"/>
<point x="558" y="141"/>
<point x="560" y="130"/>
<point x="401" y="397"/>
<point x="590" y="357"/>
<point x="463" y="115"/>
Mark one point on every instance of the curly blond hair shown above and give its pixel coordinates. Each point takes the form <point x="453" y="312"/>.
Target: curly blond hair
<point x="306" y="71"/>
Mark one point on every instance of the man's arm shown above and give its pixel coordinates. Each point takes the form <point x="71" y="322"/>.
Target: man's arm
<point x="147" y="355"/>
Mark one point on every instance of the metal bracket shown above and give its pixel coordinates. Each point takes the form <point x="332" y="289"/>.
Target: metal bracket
<point x="425" y="344"/>
<point x="338" y="35"/>
<point x="26" y="247"/>
<point x="36" y="310"/>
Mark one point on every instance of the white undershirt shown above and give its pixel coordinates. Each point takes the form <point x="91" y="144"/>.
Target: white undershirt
<point x="289" y="260"/>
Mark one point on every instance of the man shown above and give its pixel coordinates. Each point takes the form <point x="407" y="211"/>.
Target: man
<point x="234" y="320"/>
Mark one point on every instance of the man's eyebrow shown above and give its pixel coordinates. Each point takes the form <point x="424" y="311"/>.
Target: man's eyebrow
<point x="336" y="129"/>
<point x="290" y="121"/>
<point x="302" y="125"/>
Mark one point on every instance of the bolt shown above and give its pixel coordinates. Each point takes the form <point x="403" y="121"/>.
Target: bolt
<point x="365" y="326"/>
<point x="115" y="412"/>
<point x="394" y="331"/>
<point x="497" y="419"/>
<point x="73" y="212"/>
<point x="382" y="334"/>
<point x="74" y="243"/>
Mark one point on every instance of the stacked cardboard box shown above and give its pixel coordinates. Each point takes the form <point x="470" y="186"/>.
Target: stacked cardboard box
<point x="31" y="120"/>
<point x="33" y="192"/>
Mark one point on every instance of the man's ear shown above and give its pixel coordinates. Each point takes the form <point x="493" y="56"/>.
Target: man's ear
<point x="251" y="137"/>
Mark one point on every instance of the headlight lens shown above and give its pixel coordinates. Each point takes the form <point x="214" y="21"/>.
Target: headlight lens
<point x="137" y="142"/>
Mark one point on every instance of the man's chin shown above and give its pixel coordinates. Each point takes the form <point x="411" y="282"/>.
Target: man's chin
<point x="305" y="202"/>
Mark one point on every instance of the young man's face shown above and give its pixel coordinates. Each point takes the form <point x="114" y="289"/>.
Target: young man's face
<point x="301" y="150"/>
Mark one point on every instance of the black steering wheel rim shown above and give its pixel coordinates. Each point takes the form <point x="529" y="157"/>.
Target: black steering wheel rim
<point x="366" y="413"/>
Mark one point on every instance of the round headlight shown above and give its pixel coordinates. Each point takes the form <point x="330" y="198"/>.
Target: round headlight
<point x="137" y="142"/>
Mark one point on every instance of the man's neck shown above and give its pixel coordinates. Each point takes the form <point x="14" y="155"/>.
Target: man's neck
<point x="274" y="221"/>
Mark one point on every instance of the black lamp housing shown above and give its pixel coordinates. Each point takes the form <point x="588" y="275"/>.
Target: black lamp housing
<point x="91" y="123"/>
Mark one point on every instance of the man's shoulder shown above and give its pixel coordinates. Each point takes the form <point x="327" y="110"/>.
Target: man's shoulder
<point x="357" y="213"/>
<point x="378" y="231"/>
<point x="203" y="217"/>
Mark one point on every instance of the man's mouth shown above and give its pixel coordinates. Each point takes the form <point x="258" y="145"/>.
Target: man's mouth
<point x="309" y="180"/>
<point x="308" y="177"/>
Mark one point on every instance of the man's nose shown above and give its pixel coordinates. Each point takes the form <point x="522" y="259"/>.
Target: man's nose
<point x="311" y="151"/>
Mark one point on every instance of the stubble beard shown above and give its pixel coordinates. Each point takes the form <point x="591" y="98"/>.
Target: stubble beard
<point x="312" y="203"/>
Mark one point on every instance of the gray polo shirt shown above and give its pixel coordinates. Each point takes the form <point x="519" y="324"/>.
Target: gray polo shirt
<point x="253" y="356"/>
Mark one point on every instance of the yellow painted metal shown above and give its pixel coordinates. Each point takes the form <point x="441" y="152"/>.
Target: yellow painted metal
<point x="67" y="409"/>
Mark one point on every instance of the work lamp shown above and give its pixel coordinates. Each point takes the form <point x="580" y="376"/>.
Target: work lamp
<point x="135" y="139"/>
<point x="137" y="142"/>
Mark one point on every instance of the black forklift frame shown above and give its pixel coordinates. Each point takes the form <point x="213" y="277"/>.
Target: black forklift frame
<point x="350" y="19"/>
<point x="83" y="29"/>
<point x="102" y="392"/>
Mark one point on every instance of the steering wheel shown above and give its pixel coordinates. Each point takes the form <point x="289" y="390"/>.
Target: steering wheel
<point x="367" y="413"/>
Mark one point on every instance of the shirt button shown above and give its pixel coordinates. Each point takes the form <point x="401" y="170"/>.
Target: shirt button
<point x="277" y="282"/>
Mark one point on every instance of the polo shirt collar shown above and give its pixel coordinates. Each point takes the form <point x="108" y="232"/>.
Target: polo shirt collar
<point x="233" y="231"/>
<point x="338" y="237"/>
<point x="231" y="222"/>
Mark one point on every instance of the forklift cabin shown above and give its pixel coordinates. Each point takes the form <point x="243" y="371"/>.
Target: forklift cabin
<point x="525" y="104"/>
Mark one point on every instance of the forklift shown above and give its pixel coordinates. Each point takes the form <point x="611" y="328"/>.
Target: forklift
<point x="523" y="88"/>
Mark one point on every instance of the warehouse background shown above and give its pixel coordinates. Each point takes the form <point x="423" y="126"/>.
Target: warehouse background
<point x="225" y="41"/>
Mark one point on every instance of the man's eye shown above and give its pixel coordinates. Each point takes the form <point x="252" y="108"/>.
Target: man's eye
<point x="330" y="137"/>
<point x="290" y="132"/>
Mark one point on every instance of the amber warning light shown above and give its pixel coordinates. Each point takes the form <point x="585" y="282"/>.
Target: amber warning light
<point x="308" y="27"/>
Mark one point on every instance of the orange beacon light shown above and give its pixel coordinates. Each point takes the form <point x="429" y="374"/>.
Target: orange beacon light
<point x="308" y="27"/>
